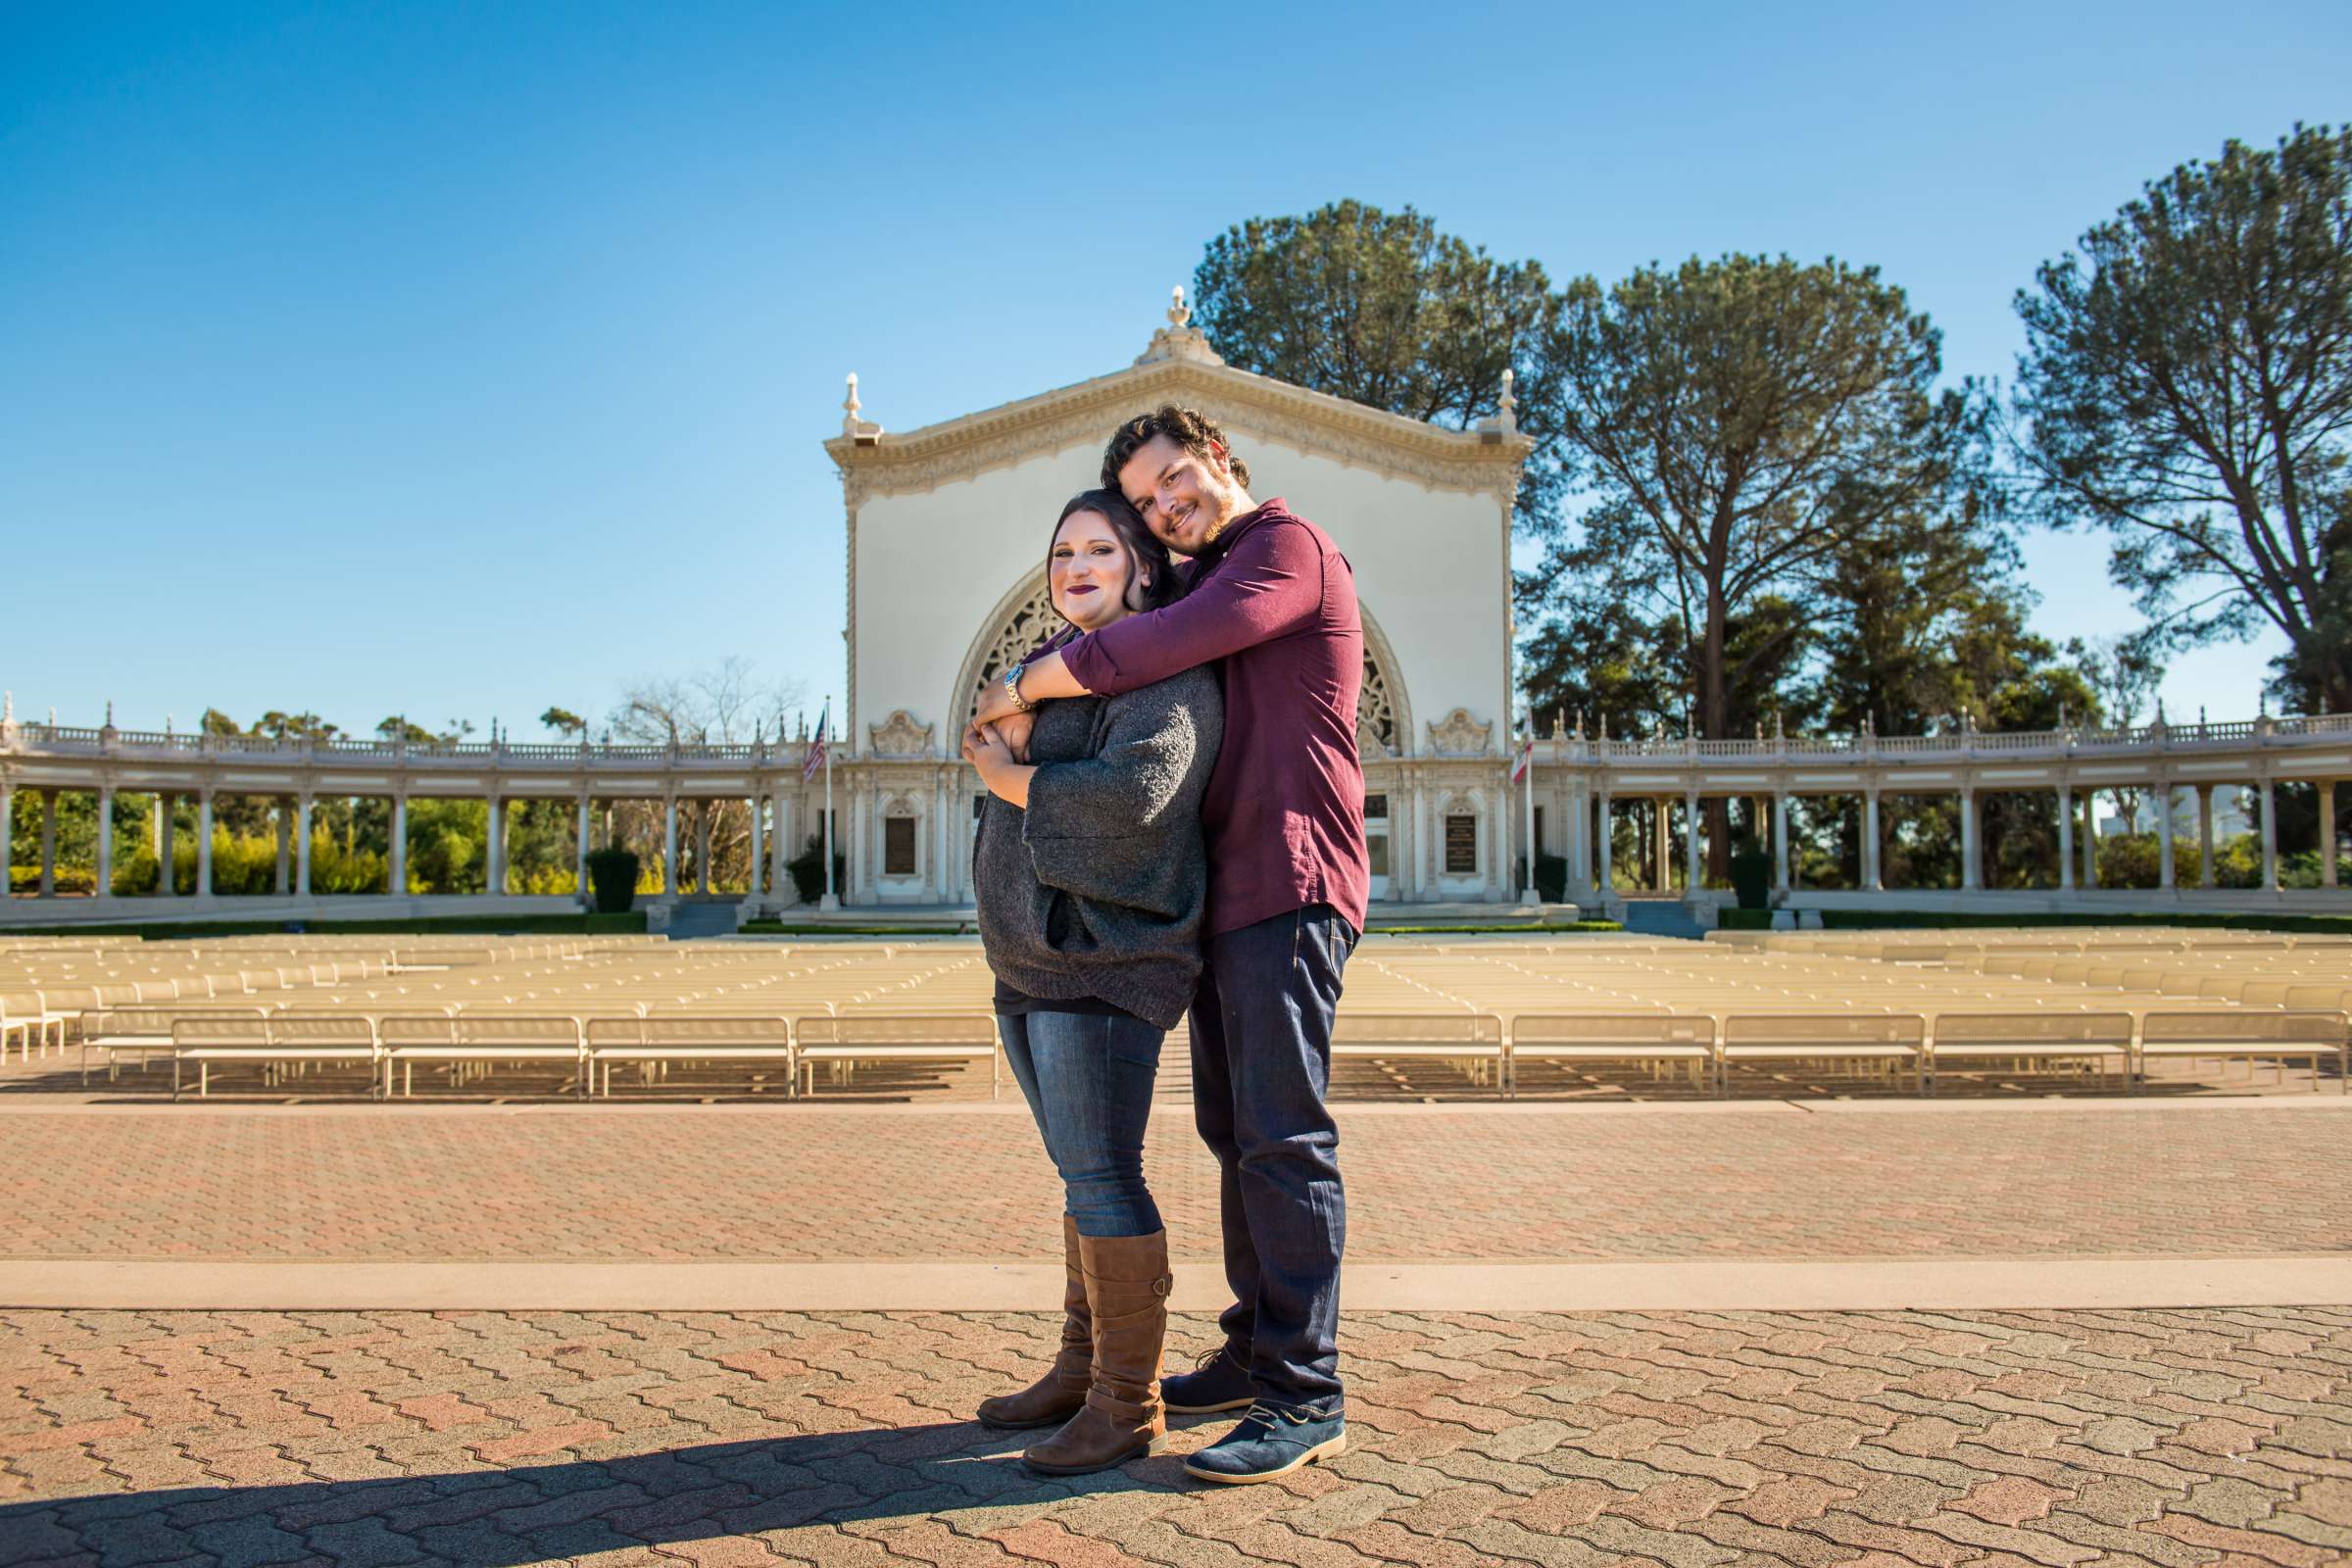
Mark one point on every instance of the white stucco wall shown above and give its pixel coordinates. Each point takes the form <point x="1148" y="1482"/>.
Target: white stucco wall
<point x="1431" y="565"/>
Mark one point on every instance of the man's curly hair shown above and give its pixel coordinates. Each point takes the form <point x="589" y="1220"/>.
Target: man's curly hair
<point x="1189" y="428"/>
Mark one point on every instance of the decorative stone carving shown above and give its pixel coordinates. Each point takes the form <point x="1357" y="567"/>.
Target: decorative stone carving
<point x="1457" y="734"/>
<point x="1031" y="625"/>
<point x="1375" y="714"/>
<point x="1180" y="339"/>
<point x="900" y="736"/>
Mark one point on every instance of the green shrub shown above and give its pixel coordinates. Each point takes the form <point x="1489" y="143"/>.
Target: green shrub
<point x="807" y="871"/>
<point x="612" y="873"/>
<point x="1751" y="878"/>
<point x="1551" y="878"/>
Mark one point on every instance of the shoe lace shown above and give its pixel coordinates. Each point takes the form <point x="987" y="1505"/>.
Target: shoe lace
<point x="1210" y="1358"/>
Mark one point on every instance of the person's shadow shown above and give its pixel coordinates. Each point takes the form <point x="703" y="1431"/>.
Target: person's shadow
<point x="503" y="1518"/>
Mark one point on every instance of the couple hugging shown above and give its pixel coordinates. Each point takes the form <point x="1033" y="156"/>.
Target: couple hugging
<point x="1175" y="825"/>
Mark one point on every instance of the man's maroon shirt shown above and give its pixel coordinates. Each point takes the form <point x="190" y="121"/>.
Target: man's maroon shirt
<point x="1275" y="601"/>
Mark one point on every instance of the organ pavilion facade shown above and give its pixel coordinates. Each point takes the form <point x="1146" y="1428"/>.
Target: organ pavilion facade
<point x="948" y="531"/>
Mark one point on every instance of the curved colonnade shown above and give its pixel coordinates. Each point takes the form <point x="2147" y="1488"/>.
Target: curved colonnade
<point x="1582" y="781"/>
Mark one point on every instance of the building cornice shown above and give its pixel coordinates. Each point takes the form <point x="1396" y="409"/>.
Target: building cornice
<point x="1473" y="461"/>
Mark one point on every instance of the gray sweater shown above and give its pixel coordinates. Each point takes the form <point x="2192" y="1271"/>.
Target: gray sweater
<point x="1097" y="889"/>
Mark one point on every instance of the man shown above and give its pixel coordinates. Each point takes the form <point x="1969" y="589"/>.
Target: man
<point x="1273" y="601"/>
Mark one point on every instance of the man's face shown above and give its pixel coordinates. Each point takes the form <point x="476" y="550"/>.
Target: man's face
<point x="1185" y="500"/>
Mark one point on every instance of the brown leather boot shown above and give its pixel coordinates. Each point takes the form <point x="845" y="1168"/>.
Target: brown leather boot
<point x="1054" y="1398"/>
<point x="1127" y="1285"/>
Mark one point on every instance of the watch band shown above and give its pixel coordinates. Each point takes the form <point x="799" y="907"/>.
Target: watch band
<point x="1013" y="689"/>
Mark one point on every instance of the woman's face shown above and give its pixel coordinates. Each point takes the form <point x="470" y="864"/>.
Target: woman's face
<point x="1089" y="571"/>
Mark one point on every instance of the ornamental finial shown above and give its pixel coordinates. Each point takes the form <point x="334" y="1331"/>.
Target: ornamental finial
<point x="863" y="432"/>
<point x="8" y="708"/>
<point x="1180" y="339"/>
<point x="110" y="712"/>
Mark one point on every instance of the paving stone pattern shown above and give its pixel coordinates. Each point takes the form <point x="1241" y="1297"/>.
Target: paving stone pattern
<point x="695" y="1182"/>
<point x="1862" y="1439"/>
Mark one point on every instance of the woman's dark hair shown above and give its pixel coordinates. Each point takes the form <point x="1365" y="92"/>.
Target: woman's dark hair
<point x="1146" y="555"/>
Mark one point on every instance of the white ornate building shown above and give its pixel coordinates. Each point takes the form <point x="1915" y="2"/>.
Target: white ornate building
<point x="948" y="531"/>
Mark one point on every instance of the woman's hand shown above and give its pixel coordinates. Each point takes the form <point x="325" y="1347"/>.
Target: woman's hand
<point x="1006" y="778"/>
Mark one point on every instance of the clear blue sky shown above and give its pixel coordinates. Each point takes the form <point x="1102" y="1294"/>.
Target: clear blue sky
<point x="460" y="360"/>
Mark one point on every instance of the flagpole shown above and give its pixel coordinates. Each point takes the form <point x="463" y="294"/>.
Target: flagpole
<point x="1528" y="763"/>
<point x="825" y="737"/>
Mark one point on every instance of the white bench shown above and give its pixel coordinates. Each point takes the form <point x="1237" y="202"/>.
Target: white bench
<point x="1473" y="1040"/>
<point x="2037" y="1037"/>
<point x="471" y="1044"/>
<point x="659" y="1041"/>
<point x="858" y="1037"/>
<point x="2248" y="1034"/>
<point x="270" y="1042"/>
<point x="1659" y="1038"/>
<point x="1893" y="1038"/>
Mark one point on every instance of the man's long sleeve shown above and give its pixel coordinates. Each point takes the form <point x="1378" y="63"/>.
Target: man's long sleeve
<point x="1268" y="586"/>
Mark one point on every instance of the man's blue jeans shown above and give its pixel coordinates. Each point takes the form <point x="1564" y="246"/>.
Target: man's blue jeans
<point x="1088" y="1080"/>
<point x="1261" y="1062"/>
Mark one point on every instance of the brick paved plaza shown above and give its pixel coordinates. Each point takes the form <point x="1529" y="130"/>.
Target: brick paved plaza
<point x="2002" y="1418"/>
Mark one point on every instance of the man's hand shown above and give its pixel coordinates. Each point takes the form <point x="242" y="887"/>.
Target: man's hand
<point x="995" y="704"/>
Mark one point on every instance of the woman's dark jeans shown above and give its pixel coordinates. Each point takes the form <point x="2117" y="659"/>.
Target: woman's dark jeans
<point x="1088" y="1080"/>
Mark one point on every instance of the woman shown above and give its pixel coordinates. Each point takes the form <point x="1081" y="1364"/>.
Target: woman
<point x="1091" y="876"/>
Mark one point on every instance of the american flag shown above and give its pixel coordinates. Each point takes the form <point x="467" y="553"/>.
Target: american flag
<point x="1527" y="753"/>
<point x="816" y="748"/>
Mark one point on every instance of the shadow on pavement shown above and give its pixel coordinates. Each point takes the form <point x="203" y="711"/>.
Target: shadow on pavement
<point x="507" y="1517"/>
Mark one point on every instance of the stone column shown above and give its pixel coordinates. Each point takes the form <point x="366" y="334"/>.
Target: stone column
<point x="204" y="842"/>
<point x="106" y="842"/>
<point x="167" y="884"/>
<point x="1578" y="818"/>
<point x="1972" y="869"/>
<point x="1421" y="880"/>
<point x="494" y="853"/>
<point x="2205" y="877"/>
<point x="670" y="885"/>
<point x="285" y="843"/>
<point x="1871" y="879"/>
<point x="1780" y="844"/>
<point x="2066" y="838"/>
<point x="702" y="846"/>
<point x="2326" y="832"/>
<point x="2090" y="838"/>
<point x="782" y="851"/>
<point x="48" y="844"/>
<point x="155" y="827"/>
<point x="8" y="829"/>
<point x="1693" y="877"/>
<point x="1604" y="843"/>
<point x="1661" y="844"/>
<point x="759" y="848"/>
<point x="396" y="874"/>
<point x="2269" y="838"/>
<point x="580" y="857"/>
<point x="301" y="847"/>
<point x="2165" y="878"/>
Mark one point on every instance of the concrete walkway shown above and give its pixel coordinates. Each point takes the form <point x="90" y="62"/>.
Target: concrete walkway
<point x="1853" y="1333"/>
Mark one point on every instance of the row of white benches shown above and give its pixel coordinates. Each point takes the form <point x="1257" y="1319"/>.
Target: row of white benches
<point x="588" y="1050"/>
<point x="1704" y="1045"/>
